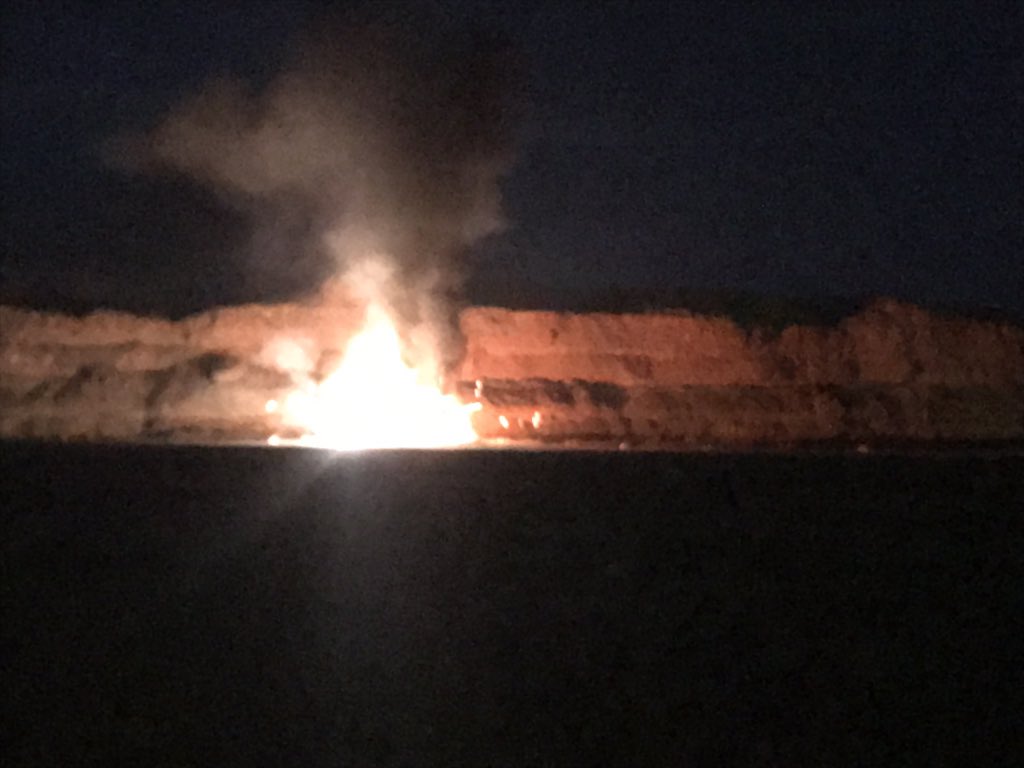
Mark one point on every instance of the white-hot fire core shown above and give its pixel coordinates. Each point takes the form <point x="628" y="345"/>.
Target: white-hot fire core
<point x="374" y="399"/>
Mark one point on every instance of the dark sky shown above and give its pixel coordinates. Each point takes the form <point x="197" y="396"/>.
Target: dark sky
<point x="867" y="148"/>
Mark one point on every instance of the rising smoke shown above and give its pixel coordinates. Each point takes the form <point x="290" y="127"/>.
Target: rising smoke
<point x="376" y="151"/>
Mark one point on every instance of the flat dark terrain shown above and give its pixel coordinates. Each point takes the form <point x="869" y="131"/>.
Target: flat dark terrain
<point x="230" y="606"/>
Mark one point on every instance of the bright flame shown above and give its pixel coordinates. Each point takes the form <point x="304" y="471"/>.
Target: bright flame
<point x="374" y="400"/>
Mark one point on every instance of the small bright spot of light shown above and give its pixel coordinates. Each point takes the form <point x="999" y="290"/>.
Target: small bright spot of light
<point x="271" y="406"/>
<point x="274" y="440"/>
<point x="536" y="420"/>
<point x="503" y="420"/>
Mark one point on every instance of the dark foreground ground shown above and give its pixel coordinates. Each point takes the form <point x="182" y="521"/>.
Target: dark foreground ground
<point x="185" y="606"/>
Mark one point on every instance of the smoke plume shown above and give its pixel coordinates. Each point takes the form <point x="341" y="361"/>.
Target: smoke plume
<point x="376" y="151"/>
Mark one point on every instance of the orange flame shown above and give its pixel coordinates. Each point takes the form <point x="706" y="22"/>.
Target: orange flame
<point x="375" y="400"/>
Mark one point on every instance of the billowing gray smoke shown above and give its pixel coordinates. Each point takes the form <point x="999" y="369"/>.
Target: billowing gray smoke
<point x="371" y="144"/>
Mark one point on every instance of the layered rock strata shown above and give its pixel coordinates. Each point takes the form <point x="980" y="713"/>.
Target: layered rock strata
<point x="893" y="372"/>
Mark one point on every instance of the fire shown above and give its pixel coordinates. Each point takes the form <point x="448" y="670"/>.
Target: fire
<point x="374" y="399"/>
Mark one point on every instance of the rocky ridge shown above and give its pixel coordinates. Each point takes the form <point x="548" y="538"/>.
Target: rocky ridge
<point x="893" y="372"/>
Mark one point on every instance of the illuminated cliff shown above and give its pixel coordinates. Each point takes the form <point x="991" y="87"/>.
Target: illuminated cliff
<point x="892" y="372"/>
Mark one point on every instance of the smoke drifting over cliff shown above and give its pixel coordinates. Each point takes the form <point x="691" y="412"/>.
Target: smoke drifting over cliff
<point x="373" y="143"/>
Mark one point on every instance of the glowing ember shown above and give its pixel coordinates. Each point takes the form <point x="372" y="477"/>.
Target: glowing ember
<point x="375" y="400"/>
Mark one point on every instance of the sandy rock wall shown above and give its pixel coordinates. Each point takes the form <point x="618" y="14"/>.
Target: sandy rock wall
<point x="892" y="372"/>
<point x="889" y="343"/>
<point x="117" y="376"/>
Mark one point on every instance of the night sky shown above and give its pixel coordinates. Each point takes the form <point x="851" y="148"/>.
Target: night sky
<point x="808" y="152"/>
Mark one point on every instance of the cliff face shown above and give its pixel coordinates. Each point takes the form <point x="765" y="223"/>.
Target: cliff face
<point x="891" y="372"/>
<point x="116" y="376"/>
<point x="889" y="343"/>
